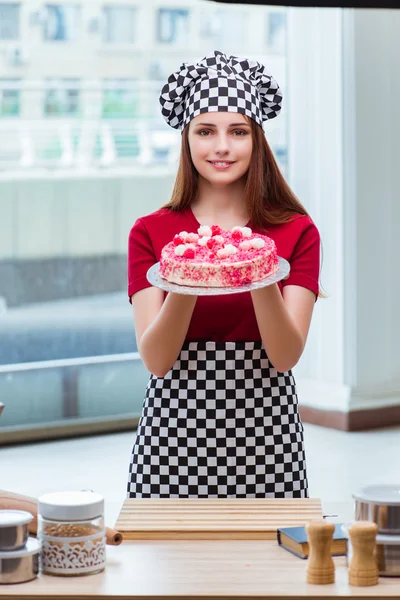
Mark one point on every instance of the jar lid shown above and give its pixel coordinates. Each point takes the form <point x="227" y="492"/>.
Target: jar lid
<point x="32" y="546"/>
<point x="11" y="518"/>
<point x="74" y="506"/>
<point x="379" y="494"/>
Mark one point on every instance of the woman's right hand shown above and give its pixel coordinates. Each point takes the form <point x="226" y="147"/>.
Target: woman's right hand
<point x="161" y="327"/>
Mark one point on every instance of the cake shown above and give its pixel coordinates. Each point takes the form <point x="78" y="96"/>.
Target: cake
<point x="214" y="257"/>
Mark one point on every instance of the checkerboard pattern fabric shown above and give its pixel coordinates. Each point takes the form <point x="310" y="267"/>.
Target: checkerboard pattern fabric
<point x="220" y="83"/>
<point x="222" y="423"/>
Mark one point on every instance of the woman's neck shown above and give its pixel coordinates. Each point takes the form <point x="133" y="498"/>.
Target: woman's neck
<point x="223" y="206"/>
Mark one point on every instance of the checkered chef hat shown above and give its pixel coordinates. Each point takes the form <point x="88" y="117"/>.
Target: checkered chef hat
<point x="220" y="83"/>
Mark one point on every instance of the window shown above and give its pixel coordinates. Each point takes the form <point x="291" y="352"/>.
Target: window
<point x="61" y="22"/>
<point x="224" y="26"/>
<point x="119" y="25"/>
<point x="173" y="25"/>
<point x="120" y="98"/>
<point x="9" y="98"/>
<point x="62" y="98"/>
<point x="9" y="21"/>
<point x="276" y="31"/>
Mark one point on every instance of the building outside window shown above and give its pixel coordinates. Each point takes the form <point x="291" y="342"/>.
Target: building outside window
<point x="9" y="98"/>
<point x="119" y="24"/>
<point x="62" y="22"/>
<point x="276" y="31"/>
<point x="9" y="21"/>
<point x="224" y="26"/>
<point x="62" y="98"/>
<point x="173" y="26"/>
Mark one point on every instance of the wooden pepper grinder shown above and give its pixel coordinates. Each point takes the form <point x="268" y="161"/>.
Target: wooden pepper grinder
<point x="321" y="568"/>
<point x="363" y="569"/>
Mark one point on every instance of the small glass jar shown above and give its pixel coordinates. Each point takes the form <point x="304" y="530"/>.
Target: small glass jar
<point x="72" y="532"/>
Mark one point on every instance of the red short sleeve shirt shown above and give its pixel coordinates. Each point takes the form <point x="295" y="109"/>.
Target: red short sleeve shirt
<point x="231" y="317"/>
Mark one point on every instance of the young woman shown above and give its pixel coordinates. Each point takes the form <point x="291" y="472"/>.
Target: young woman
<point x="220" y="416"/>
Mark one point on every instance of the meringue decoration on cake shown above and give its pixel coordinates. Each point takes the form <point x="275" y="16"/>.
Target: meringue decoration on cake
<point x="213" y="257"/>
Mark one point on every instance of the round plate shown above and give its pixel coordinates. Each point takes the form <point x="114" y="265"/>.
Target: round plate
<point x="153" y="276"/>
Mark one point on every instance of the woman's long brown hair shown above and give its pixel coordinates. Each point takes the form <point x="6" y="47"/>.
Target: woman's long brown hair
<point x="268" y="197"/>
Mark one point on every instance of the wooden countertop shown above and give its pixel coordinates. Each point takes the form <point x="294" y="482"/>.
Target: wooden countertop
<point x="199" y="569"/>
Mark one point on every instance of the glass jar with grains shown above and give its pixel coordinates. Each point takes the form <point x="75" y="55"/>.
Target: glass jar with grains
<point x="72" y="531"/>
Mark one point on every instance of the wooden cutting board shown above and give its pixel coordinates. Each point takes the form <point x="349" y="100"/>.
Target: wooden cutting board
<point x="220" y="518"/>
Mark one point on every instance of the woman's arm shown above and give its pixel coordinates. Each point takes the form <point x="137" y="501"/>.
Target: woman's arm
<point x="161" y="327"/>
<point x="283" y="322"/>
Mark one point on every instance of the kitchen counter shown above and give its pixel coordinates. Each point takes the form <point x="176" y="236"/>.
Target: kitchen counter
<point x="199" y="569"/>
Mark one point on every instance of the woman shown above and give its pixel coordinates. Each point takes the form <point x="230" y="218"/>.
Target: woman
<point x="220" y="416"/>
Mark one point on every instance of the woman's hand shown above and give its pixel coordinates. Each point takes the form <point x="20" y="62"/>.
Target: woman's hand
<point x="161" y="327"/>
<point x="284" y="322"/>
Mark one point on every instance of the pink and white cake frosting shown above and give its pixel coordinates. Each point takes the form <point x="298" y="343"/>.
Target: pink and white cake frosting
<point x="213" y="257"/>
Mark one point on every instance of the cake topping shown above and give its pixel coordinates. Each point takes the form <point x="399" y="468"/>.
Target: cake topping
<point x="219" y="239"/>
<point x="247" y="232"/>
<point x="205" y="230"/>
<point x="189" y="252"/>
<point x="192" y="237"/>
<point x="226" y="251"/>
<point x="257" y="243"/>
<point x="244" y="231"/>
<point x="211" y="243"/>
<point x="216" y="229"/>
<point x="202" y="241"/>
<point x="245" y="245"/>
<point x="237" y="235"/>
<point x="179" y="250"/>
<point x="218" y="243"/>
<point x="178" y="240"/>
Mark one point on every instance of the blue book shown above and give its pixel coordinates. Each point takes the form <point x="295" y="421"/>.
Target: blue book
<point x="294" y="539"/>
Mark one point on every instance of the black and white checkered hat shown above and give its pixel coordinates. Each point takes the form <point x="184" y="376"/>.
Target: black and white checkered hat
<point x="220" y="83"/>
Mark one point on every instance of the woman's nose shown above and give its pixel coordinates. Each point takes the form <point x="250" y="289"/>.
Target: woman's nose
<point x="221" y="145"/>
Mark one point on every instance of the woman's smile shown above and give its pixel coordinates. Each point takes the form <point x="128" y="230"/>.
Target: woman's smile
<point x="221" y="165"/>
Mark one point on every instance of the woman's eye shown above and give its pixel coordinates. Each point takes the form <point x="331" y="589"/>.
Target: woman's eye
<point x="204" y="132"/>
<point x="240" y="132"/>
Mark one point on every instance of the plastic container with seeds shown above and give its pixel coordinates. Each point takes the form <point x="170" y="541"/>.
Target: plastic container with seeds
<point x="71" y="529"/>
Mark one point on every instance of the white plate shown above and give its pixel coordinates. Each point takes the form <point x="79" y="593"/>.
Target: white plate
<point x="153" y="276"/>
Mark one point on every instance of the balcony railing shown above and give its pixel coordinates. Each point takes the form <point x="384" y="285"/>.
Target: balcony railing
<point x="83" y="125"/>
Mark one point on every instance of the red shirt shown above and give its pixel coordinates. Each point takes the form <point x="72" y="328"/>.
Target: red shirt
<point x="231" y="317"/>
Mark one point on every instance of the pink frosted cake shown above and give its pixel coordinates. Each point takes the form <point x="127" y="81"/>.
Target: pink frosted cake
<point x="213" y="257"/>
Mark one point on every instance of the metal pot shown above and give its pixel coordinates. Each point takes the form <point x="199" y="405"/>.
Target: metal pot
<point x="380" y="504"/>
<point x="14" y="529"/>
<point x="21" y="565"/>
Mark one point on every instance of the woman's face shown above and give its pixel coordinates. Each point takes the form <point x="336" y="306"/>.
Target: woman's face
<point x="220" y="146"/>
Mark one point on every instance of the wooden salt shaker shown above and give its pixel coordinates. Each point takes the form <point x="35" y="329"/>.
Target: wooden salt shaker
<point x="363" y="569"/>
<point x="321" y="568"/>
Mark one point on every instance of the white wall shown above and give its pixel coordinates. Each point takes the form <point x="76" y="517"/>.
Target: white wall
<point x="344" y="152"/>
<point x="377" y="240"/>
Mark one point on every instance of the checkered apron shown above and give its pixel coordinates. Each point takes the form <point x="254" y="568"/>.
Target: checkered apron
<point x="222" y="423"/>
